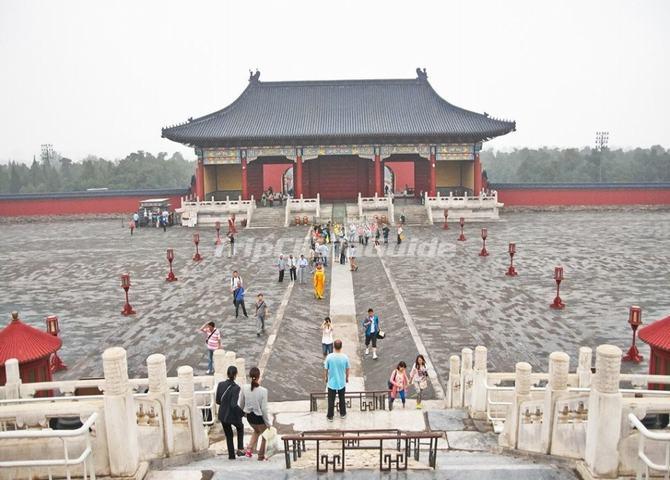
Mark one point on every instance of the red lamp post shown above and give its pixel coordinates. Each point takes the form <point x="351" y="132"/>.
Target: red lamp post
<point x="484" y="252"/>
<point x="55" y="363"/>
<point x="635" y="320"/>
<point x="170" y="258"/>
<point x="558" y="276"/>
<point x="511" y="271"/>
<point x="218" y="232"/>
<point x="125" y="284"/>
<point x="461" y="237"/>
<point x="446" y="215"/>
<point x="196" y="239"/>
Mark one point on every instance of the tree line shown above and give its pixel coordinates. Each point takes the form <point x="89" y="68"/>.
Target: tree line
<point x="573" y="165"/>
<point x="138" y="170"/>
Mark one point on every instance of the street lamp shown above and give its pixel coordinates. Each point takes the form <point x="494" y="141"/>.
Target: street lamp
<point x="484" y="252"/>
<point x="461" y="237"/>
<point x="511" y="271"/>
<point x="125" y="284"/>
<point x="446" y="215"/>
<point x="218" y="232"/>
<point x="170" y="258"/>
<point x="55" y="363"/>
<point x="635" y="320"/>
<point x="196" y="239"/>
<point x="558" y="276"/>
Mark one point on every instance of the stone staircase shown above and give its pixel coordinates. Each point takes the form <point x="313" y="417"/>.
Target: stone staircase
<point x="265" y="217"/>
<point x="414" y="214"/>
<point x="466" y="451"/>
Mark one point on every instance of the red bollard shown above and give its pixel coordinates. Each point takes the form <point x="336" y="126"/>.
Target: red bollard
<point x="170" y="258"/>
<point x="461" y="237"/>
<point x="218" y="233"/>
<point x="196" y="239"/>
<point x="558" y="276"/>
<point x="446" y="215"/>
<point x="635" y="320"/>
<point x="484" y="252"/>
<point x="511" y="271"/>
<point x="125" y="284"/>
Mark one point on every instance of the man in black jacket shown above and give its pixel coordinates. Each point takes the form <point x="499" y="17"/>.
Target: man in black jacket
<point x="230" y="414"/>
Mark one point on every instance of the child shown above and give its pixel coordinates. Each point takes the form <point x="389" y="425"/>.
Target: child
<point x="398" y="384"/>
<point x="419" y="378"/>
<point x="327" y="337"/>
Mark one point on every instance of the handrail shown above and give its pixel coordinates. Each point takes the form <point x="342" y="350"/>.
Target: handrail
<point x="646" y="434"/>
<point x="46" y="433"/>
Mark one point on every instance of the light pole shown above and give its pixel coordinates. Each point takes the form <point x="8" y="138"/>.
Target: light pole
<point x="635" y="320"/>
<point x="461" y="237"/>
<point x="484" y="252"/>
<point x="55" y="363"/>
<point x="170" y="258"/>
<point x="125" y="284"/>
<point x="602" y="138"/>
<point x="446" y="215"/>
<point x="558" y="276"/>
<point x="196" y="239"/>
<point x="511" y="271"/>
<point x="218" y="232"/>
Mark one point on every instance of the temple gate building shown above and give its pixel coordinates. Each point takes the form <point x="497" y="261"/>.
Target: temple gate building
<point x="338" y="138"/>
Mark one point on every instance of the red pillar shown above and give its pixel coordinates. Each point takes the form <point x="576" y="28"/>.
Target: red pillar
<point x="433" y="183"/>
<point x="200" y="180"/>
<point x="379" y="188"/>
<point x="245" y="183"/>
<point x="297" y="179"/>
<point x="478" y="176"/>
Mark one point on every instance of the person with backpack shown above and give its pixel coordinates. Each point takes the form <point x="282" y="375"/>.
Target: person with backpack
<point x="398" y="384"/>
<point x="371" y="324"/>
<point x="239" y="300"/>
<point x="230" y="413"/>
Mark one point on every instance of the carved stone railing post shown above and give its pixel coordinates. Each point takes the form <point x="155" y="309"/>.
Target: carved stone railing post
<point x="454" y="390"/>
<point x="584" y="367"/>
<point x="220" y="367"/>
<point x="120" y="418"/>
<point x="159" y="391"/>
<point x="559" y="364"/>
<point x="13" y="383"/>
<point x="466" y="377"/>
<point x="229" y="360"/>
<point x="241" y="371"/>
<point x="479" y="378"/>
<point x="187" y="399"/>
<point x="522" y="384"/>
<point x="604" y="421"/>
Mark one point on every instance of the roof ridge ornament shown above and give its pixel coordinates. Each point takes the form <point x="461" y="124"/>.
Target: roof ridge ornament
<point x="421" y="74"/>
<point x="253" y="77"/>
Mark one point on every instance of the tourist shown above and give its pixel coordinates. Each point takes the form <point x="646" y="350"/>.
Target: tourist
<point x="323" y="253"/>
<point x="336" y="244"/>
<point x="136" y="219"/>
<point x="360" y="231"/>
<point x="398" y="384"/>
<point x="281" y="266"/>
<point x="327" y="337"/>
<point x="131" y="226"/>
<point x="254" y="403"/>
<point x="231" y="244"/>
<point x="400" y="235"/>
<point x="419" y="378"/>
<point x="385" y="232"/>
<point x="264" y="200"/>
<point x="213" y="342"/>
<point x="352" y="233"/>
<point x="230" y="413"/>
<point x="336" y="375"/>
<point x="302" y="266"/>
<point x="366" y="234"/>
<point x="312" y="259"/>
<point x="235" y="280"/>
<point x="371" y="324"/>
<point x="343" y="251"/>
<point x="292" y="267"/>
<point x="261" y="312"/>
<point x="352" y="257"/>
<point x="319" y="282"/>
<point x="239" y="300"/>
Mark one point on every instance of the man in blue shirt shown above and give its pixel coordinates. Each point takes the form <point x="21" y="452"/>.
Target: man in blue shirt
<point x="336" y="374"/>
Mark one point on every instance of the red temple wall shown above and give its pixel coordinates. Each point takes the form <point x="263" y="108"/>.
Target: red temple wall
<point x="338" y="178"/>
<point x="272" y="175"/>
<point x="546" y="196"/>
<point x="403" y="173"/>
<point x="126" y="204"/>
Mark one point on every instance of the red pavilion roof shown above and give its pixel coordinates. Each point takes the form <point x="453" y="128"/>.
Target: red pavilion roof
<point x="657" y="334"/>
<point x="25" y="343"/>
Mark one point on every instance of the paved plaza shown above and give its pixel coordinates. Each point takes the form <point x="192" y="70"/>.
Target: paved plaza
<point x="453" y="297"/>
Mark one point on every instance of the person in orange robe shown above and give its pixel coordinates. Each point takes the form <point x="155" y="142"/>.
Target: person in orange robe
<point x="319" y="282"/>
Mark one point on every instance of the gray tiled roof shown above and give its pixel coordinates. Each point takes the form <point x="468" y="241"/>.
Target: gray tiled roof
<point x="336" y="112"/>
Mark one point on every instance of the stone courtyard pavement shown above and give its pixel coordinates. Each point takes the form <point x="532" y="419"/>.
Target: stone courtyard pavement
<point x="456" y="299"/>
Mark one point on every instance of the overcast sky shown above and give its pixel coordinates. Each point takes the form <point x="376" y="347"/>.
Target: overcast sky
<point x="103" y="77"/>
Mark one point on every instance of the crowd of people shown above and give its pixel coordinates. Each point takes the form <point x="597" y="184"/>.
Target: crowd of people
<point x="250" y="400"/>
